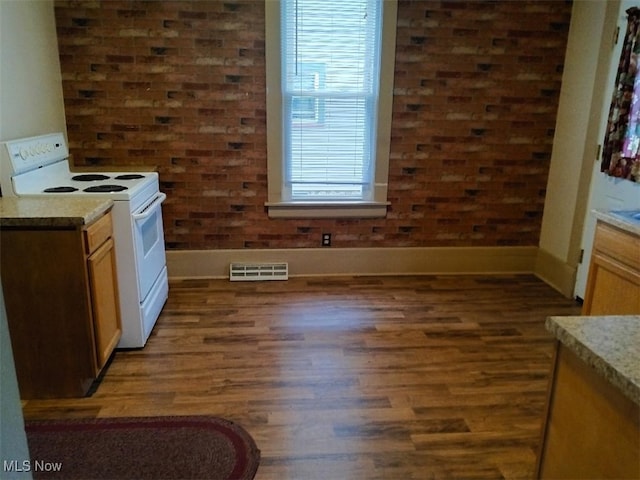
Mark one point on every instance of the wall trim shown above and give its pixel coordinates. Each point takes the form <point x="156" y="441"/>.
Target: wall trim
<point x="556" y="273"/>
<point x="358" y="261"/>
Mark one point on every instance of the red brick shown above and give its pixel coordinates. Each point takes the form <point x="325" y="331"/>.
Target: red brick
<point x="179" y="86"/>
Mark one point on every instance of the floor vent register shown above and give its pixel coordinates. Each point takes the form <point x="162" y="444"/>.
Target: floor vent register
<point x="258" y="271"/>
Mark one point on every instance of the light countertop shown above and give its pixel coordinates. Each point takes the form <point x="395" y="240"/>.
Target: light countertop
<point x="618" y="221"/>
<point x="58" y="212"/>
<point x="610" y="344"/>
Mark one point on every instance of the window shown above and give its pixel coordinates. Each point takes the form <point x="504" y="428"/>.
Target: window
<point x="330" y="70"/>
<point x="308" y="108"/>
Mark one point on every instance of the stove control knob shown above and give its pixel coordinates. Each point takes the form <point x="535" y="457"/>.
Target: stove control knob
<point x="24" y="153"/>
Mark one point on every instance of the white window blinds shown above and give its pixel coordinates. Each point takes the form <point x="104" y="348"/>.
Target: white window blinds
<point x="330" y="52"/>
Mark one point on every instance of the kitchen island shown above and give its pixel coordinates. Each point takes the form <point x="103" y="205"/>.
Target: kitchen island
<point x="61" y="293"/>
<point x="592" y="423"/>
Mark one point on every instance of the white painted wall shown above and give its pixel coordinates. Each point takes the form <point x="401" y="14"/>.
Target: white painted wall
<point x="31" y="101"/>
<point x="587" y="61"/>
<point x="13" y="441"/>
<point x="605" y="192"/>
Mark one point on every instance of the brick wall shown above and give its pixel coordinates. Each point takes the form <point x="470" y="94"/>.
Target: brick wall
<point x="180" y="86"/>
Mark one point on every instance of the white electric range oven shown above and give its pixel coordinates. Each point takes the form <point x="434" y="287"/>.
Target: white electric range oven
<point x="40" y="166"/>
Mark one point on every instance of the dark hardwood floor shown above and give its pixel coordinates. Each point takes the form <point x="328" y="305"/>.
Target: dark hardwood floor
<point x="426" y="377"/>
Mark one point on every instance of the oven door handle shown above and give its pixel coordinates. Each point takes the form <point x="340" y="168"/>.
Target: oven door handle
<point x="148" y="210"/>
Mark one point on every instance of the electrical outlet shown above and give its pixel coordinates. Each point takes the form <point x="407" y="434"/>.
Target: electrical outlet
<point x="326" y="239"/>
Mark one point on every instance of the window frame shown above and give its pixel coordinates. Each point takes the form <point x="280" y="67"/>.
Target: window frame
<point x="277" y="204"/>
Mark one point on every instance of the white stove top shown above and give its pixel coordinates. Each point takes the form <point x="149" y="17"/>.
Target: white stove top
<point x="56" y="179"/>
<point x="39" y="166"/>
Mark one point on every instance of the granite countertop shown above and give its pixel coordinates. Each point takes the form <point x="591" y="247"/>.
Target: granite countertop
<point x="610" y="344"/>
<point x="618" y="221"/>
<point x="58" y="212"/>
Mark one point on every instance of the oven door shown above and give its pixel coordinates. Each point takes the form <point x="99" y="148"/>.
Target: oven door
<point x="149" y="243"/>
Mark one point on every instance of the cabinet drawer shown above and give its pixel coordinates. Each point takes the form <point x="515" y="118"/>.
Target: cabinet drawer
<point x="618" y="244"/>
<point x="98" y="232"/>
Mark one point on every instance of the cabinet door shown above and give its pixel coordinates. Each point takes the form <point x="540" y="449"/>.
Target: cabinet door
<point x="613" y="288"/>
<point x="104" y="299"/>
<point x="592" y="430"/>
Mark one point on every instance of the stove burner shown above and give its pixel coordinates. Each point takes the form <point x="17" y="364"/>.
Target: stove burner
<point x="60" y="190"/>
<point x="89" y="177"/>
<point x="105" y="188"/>
<point x="129" y="176"/>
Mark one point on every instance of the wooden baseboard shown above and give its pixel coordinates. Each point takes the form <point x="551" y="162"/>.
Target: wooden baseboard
<point x="358" y="261"/>
<point x="556" y="273"/>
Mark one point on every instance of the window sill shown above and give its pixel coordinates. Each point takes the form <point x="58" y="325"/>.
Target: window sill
<point x="327" y="209"/>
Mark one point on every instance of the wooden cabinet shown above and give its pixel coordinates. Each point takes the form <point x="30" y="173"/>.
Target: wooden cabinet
<point x="591" y="430"/>
<point x="61" y="297"/>
<point x="613" y="285"/>
<point x="104" y="288"/>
